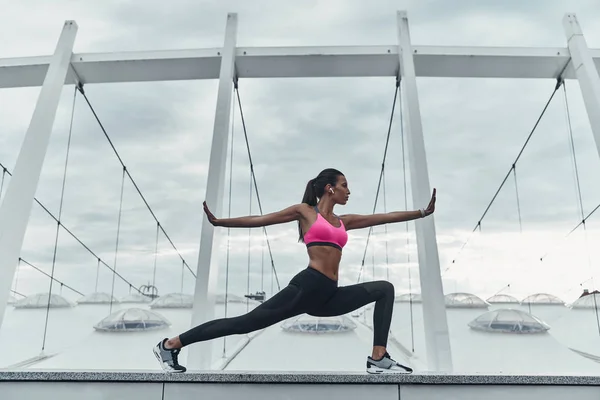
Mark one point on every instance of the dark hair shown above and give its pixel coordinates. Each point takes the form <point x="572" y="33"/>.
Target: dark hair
<point x="315" y="188"/>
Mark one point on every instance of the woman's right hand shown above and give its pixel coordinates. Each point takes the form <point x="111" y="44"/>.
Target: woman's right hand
<point x="211" y="218"/>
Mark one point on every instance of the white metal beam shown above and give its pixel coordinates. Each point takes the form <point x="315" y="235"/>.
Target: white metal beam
<point x="586" y="72"/>
<point x="299" y="62"/>
<point x="18" y="199"/>
<point x="207" y="271"/>
<point x="437" y="340"/>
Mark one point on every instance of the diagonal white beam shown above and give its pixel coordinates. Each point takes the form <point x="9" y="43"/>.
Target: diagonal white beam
<point x="207" y="271"/>
<point x="300" y="62"/>
<point x="16" y="205"/>
<point x="437" y="340"/>
<point x="586" y="72"/>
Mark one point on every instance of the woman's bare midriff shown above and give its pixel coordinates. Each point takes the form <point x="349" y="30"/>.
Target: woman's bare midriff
<point x="326" y="260"/>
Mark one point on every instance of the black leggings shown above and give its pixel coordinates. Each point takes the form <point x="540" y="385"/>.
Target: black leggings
<point x="309" y="292"/>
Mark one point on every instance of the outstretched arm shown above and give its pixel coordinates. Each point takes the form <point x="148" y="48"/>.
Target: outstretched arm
<point x="356" y="221"/>
<point x="253" y="221"/>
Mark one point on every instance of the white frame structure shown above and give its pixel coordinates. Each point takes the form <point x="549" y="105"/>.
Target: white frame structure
<point x="402" y="59"/>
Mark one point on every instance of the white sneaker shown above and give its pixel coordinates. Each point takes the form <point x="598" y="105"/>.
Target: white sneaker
<point x="168" y="358"/>
<point x="386" y="366"/>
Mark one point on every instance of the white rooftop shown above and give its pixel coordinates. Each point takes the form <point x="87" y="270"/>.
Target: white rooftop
<point x="560" y="340"/>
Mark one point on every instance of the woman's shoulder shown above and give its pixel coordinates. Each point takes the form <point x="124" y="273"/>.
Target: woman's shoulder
<point x="304" y="209"/>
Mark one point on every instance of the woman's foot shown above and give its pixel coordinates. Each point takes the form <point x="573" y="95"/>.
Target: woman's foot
<point x="168" y="358"/>
<point x="386" y="365"/>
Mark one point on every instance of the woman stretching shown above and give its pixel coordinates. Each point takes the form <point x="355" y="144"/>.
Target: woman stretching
<point x="314" y="290"/>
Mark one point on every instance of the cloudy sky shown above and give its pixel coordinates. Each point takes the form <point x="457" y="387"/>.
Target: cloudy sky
<point x="473" y="131"/>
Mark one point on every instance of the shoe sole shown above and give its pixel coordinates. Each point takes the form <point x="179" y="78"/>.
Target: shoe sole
<point x="156" y="352"/>
<point x="380" y="371"/>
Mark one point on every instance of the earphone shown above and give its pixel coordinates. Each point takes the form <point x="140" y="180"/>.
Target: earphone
<point x="331" y="190"/>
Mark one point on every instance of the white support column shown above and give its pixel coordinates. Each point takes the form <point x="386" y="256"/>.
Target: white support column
<point x="586" y="72"/>
<point x="207" y="271"/>
<point x="439" y="356"/>
<point x="18" y="200"/>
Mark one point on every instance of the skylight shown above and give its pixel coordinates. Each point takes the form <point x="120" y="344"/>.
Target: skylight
<point x="40" y="300"/>
<point x="542" y="298"/>
<point x="231" y="298"/>
<point x="318" y="325"/>
<point x="136" y="298"/>
<point x="97" y="298"/>
<point x="502" y="299"/>
<point x="508" y="321"/>
<point x="589" y="301"/>
<point x="173" y="300"/>
<point x="464" y="300"/>
<point x="132" y="320"/>
<point x="408" y="297"/>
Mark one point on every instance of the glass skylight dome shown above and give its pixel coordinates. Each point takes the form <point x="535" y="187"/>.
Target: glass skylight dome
<point x="132" y="320"/>
<point x="97" y="298"/>
<point x="503" y="299"/>
<point x="589" y="301"/>
<point x="464" y="300"/>
<point x="318" y="325"/>
<point x="173" y="300"/>
<point x="542" y="299"/>
<point x="40" y="300"/>
<point x="408" y="297"/>
<point x="231" y="298"/>
<point x="509" y="321"/>
<point x="136" y="298"/>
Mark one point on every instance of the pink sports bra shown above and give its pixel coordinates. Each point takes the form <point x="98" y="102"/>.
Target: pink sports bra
<point x="322" y="233"/>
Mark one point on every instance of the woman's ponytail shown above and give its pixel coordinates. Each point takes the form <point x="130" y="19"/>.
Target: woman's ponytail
<point x="310" y="198"/>
<point x="315" y="188"/>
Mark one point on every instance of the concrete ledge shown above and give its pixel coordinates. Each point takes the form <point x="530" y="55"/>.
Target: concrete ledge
<point x="297" y="378"/>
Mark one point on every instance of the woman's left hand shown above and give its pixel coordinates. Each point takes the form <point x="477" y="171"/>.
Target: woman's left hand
<point x="431" y="207"/>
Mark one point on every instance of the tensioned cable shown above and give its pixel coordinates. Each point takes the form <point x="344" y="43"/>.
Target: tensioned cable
<point x="501" y="290"/>
<point x="155" y="255"/>
<point x="262" y="268"/>
<point x="76" y="238"/>
<point x="387" y="259"/>
<point x="597" y="317"/>
<point x="576" y="226"/>
<point x="559" y="82"/>
<point x="373" y="262"/>
<point x="518" y="200"/>
<point x="514" y="170"/>
<point x="404" y="181"/>
<point x="182" y="272"/>
<point x="112" y="291"/>
<point x="97" y="277"/>
<point x="17" y="275"/>
<point x="17" y="293"/>
<point x="60" y="210"/>
<point x="249" y="245"/>
<point x="229" y="229"/>
<point x="577" y="182"/>
<point x="271" y="278"/>
<point x="2" y="183"/>
<point x="235" y="85"/>
<point x="51" y="277"/>
<point x="132" y="180"/>
<point x="387" y="141"/>
<point x="572" y="148"/>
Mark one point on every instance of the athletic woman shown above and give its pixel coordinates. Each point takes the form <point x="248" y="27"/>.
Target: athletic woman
<point x="314" y="290"/>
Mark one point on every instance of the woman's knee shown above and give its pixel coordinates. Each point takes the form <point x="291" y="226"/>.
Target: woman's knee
<point x="387" y="288"/>
<point x="380" y="289"/>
